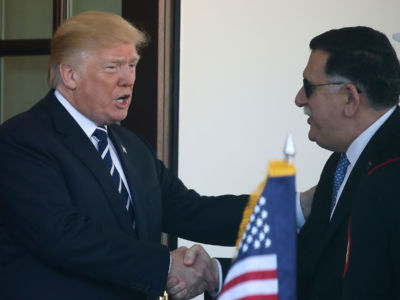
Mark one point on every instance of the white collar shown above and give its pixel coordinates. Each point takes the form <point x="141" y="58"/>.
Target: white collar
<point x="358" y="145"/>
<point x="87" y="125"/>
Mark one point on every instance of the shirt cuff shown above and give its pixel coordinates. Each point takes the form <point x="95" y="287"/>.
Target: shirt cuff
<point x="215" y="294"/>
<point x="299" y="213"/>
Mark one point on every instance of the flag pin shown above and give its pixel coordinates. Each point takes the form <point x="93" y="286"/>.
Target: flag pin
<point x="123" y="149"/>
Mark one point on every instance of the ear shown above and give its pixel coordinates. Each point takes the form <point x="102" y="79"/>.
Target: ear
<point x="69" y="76"/>
<point x="353" y="100"/>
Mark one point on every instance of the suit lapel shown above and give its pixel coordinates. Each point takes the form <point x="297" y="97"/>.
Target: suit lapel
<point x="344" y="205"/>
<point x="130" y="163"/>
<point x="318" y="223"/>
<point x="78" y="143"/>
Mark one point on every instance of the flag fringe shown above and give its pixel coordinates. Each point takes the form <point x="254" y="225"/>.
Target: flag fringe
<point x="253" y="199"/>
<point x="277" y="168"/>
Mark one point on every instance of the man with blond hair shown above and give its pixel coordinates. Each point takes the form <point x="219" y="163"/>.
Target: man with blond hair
<point x="83" y="200"/>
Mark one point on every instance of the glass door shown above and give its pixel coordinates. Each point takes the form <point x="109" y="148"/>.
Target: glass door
<point x="23" y="78"/>
<point x="26" y="27"/>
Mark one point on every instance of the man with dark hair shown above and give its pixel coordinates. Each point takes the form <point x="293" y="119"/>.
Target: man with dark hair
<point x="348" y="246"/>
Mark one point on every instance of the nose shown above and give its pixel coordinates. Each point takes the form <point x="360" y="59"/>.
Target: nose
<point x="301" y="98"/>
<point x="127" y="76"/>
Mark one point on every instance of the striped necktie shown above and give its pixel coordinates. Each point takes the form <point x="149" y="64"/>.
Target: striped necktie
<point x="104" y="150"/>
<point x="339" y="176"/>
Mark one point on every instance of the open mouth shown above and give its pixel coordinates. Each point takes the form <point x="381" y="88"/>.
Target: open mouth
<point x="122" y="99"/>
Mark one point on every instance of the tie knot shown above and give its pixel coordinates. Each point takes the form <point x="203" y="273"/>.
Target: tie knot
<point x="101" y="133"/>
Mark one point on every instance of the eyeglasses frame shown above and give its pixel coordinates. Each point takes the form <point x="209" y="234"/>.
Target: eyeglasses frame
<point x="309" y="88"/>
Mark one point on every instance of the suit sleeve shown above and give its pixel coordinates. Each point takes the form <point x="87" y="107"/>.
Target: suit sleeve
<point x="205" y="219"/>
<point x="43" y="220"/>
<point x="374" y="255"/>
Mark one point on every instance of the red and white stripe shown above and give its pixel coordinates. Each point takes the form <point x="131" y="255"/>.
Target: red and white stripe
<point x="252" y="278"/>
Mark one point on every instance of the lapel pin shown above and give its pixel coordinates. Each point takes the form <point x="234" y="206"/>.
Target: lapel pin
<point x="123" y="149"/>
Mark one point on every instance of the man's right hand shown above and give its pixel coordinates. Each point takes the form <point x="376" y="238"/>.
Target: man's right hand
<point x="192" y="272"/>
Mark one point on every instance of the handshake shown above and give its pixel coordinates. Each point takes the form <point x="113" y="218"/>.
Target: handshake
<point x="192" y="272"/>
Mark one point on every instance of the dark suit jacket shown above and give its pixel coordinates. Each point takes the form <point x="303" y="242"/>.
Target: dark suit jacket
<point x="374" y="249"/>
<point x="65" y="234"/>
<point x="322" y="245"/>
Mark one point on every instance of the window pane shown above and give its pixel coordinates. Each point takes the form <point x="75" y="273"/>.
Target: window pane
<point x="24" y="82"/>
<point x="79" y="6"/>
<point x="27" y="19"/>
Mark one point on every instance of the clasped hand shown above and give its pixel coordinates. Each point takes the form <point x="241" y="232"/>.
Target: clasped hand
<point x="192" y="272"/>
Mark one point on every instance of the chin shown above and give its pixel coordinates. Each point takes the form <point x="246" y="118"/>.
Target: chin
<point x="311" y="137"/>
<point x="120" y="117"/>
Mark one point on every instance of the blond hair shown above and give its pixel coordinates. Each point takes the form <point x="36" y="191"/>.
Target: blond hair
<point x="89" y="31"/>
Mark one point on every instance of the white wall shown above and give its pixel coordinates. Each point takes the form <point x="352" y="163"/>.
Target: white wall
<point x="241" y="67"/>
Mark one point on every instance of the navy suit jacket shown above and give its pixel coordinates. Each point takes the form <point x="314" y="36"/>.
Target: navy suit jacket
<point x="323" y="244"/>
<point x="65" y="234"/>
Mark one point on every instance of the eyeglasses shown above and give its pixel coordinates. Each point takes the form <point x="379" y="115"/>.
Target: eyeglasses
<point x="309" y="88"/>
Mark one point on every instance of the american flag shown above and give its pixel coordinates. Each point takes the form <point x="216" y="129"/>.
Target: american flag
<point x="264" y="267"/>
